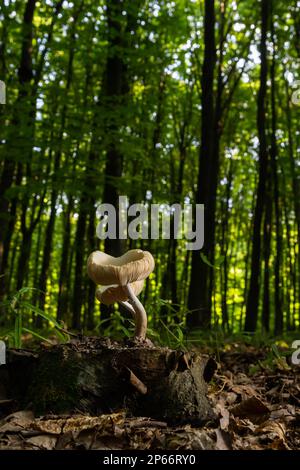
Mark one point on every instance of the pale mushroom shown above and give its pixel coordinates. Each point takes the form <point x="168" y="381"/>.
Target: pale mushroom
<point x="121" y="280"/>
<point x="110" y="294"/>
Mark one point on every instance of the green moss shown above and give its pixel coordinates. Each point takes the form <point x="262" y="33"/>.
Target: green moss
<point x="54" y="387"/>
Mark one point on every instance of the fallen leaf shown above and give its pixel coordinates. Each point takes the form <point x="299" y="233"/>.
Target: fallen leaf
<point x="224" y="420"/>
<point x="43" y="442"/>
<point x="252" y="408"/>
<point x="274" y="434"/>
<point x="16" y="421"/>
<point x="223" y="440"/>
<point x="231" y="398"/>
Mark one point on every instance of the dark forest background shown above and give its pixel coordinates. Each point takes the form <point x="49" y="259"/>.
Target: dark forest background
<point x="165" y="102"/>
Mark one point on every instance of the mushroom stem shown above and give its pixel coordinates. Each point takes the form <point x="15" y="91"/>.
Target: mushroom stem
<point x="140" y="314"/>
<point x="128" y="306"/>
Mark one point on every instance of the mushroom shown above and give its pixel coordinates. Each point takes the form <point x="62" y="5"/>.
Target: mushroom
<point x="121" y="280"/>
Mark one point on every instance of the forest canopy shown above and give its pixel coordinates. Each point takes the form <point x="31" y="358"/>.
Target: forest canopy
<point x="164" y="102"/>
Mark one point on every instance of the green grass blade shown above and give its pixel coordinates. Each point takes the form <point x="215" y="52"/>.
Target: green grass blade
<point x="33" y="333"/>
<point x="37" y="311"/>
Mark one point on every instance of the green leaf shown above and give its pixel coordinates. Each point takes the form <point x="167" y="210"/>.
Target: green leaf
<point x="37" y="311"/>
<point x="214" y="266"/>
<point x="27" y="330"/>
<point x="125" y="331"/>
<point x="24" y="290"/>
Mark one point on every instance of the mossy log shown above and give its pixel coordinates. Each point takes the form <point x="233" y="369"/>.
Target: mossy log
<point x="94" y="375"/>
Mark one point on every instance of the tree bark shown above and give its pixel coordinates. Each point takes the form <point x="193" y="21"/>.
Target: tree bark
<point x="266" y="256"/>
<point x="274" y="157"/>
<point x="62" y="301"/>
<point x="253" y="293"/>
<point x="96" y="376"/>
<point x="200" y="290"/>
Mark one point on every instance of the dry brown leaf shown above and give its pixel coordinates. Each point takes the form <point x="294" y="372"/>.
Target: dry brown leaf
<point x="188" y="438"/>
<point x="231" y="398"/>
<point x="105" y="424"/>
<point x="274" y="434"/>
<point x="224" y="420"/>
<point x="223" y="440"/>
<point x="16" y="421"/>
<point x="241" y="427"/>
<point x="252" y="408"/>
<point x="43" y="442"/>
<point x="245" y="391"/>
<point x="49" y="426"/>
<point x="288" y="413"/>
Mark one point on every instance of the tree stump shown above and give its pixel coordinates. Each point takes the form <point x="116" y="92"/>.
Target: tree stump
<point x="94" y="375"/>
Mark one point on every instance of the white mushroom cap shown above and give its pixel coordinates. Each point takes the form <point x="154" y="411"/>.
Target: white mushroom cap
<point x="111" y="294"/>
<point x="135" y="265"/>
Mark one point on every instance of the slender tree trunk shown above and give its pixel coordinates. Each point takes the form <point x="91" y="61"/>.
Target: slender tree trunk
<point x="169" y="285"/>
<point x="267" y="253"/>
<point x="91" y="286"/>
<point x="115" y="91"/>
<point x="274" y="156"/>
<point x="116" y="88"/>
<point x="62" y="301"/>
<point x="23" y="258"/>
<point x="200" y="290"/>
<point x="79" y="249"/>
<point x="295" y="183"/>
<point x="224" y="250"/>
<point x="247" y="258"/>
<point x="47" y="254"/>
<point x="27" y="231"/>
<point x="291" y="281"/>
<point x="253" y="293"/>
<point x="37" y="262"/>
<point x="4" y="282"/>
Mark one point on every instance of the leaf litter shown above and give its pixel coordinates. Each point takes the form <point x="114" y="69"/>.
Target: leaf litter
<point x="256" y="408"/>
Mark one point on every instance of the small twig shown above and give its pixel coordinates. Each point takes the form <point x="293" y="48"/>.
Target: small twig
<point x="147" y="423"/>
<point x="68" y="332"/>
<point x="136" y="382"/>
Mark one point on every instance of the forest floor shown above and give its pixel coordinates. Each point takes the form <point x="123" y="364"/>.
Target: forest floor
<point x="255" y="395"/>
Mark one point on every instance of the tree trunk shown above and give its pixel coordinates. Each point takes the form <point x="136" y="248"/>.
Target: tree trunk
<point x="295" y="186"/>
<point x="224" y="248"/>
<point x="62" y="301"/>
<point x="97" y="376"/>
<point x="274" y="157"/>
<point x="200" y="290"/>
<point x="115" y="91"/>
<point x="91" y="285"/>
<point x="253" y="293"/>
<point x="23" y="259"/>
<point x="266" y="255"/>
<point x="79" y="249"/>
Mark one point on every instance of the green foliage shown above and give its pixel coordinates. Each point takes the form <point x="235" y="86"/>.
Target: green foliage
<point x="20" y="310"/>
<point x="58" y="128"/>
<point x="216" y="264"/>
